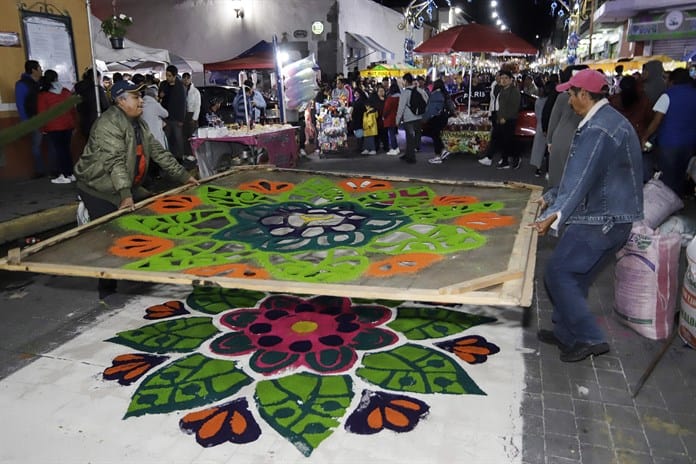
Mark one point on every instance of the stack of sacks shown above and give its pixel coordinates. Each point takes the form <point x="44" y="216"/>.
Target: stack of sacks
<point x="645" y="290"/>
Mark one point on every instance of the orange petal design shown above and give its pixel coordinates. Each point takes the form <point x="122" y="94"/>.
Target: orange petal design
<point x="363" y="184"/>
<point x="140" y="246"/>
<point x="484" y="221"/>
<point x="408" y="263"/>
<point x="406" y="404"/>
<point x="374" y="419"/>
<point x="238" y="271"/>
<point x="267" y="186"/>
<point x="199" y="415"/>
<point x="395" y="417"/>
<point x="238" y="423"/>
<point x="212" y="425"/>
<point x="175" y="204"/>
<point x="127" y="357"/>
<point x="450" y="200"/>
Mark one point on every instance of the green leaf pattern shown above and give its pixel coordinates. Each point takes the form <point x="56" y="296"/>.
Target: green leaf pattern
<point x="425" y="323"/>
<point x="187" y="383"/>
<point x="304" y="408"/>
<point x="175" y="335"/>
<point x="416" y="369"/>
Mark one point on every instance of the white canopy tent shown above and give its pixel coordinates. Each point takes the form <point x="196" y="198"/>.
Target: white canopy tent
<point x="131" y="50"/>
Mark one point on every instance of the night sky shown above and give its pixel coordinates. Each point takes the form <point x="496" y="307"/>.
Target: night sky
<point x="525" y="18"/>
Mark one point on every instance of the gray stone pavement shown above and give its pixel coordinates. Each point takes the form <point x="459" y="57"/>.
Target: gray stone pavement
<point x="573" y="413"/>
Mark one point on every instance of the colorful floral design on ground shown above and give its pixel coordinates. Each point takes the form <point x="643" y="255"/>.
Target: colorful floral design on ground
<point x="229" y="358"/>
<point x="315" y="231"/>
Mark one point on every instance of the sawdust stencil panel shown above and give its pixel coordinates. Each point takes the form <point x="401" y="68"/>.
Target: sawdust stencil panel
<point x="307" y="232"/>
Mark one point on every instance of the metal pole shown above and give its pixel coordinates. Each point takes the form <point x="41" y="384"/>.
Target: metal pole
<point x="592" y="12"/>
<point x="95" y="73"/>
<point x="243" y="88"/>
<point x="471" y="73"/>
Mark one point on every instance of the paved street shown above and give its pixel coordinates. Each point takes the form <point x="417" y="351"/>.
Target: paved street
<point x="571" y="413"/>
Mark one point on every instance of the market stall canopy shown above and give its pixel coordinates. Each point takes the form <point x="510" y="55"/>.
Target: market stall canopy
<point x="182" y="64"/>
<point x="370" y="44"/>
<point x="131" y="50"/>
<point x="636" y="63"/>
<point x="476" y="38"/>
<point x="260" y="56"/>
<point x="396" y="70"/>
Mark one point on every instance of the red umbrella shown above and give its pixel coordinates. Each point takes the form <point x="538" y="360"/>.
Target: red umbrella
<point x="476" y="38"/>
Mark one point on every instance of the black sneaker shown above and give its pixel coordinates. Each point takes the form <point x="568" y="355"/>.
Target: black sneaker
<point x="503" y="164"/>
<point x="538" y="173"/>
<point x="516" y="163"/>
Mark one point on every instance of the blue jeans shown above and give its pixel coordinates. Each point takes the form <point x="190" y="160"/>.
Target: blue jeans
<point x="573" y="266"/>
<point x="392" y="132"/>
<point x="673" y="162"/>
<point x="369" y="143"/>
<point x="39" y="165"/>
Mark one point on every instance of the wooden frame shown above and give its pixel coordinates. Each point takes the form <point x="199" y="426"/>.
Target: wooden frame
<point x="513" y="286"/>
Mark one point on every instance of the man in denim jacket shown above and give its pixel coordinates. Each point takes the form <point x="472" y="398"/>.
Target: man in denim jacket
<point x="600" y="195"/>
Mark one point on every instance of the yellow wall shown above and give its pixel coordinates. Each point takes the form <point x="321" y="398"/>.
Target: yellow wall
<point x="12" y="58"/>
<point x="18" y="162"/>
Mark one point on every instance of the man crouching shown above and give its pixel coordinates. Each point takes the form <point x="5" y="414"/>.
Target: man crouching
<point x="115" y="160"/>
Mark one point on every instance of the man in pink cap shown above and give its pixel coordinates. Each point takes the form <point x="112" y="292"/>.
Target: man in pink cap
<point x="599" y="197"/>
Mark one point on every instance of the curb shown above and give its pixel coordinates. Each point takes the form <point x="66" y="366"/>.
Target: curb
<point x="36" y="223"/>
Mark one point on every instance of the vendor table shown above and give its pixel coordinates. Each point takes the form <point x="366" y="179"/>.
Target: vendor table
<point x="468" y="133"/>
<point x="280" y="143"/>
<point x="466" y="141"/>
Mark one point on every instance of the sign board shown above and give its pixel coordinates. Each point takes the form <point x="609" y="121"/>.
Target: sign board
<point x="675" y="24"/>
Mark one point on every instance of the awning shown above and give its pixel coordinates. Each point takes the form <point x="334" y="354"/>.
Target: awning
<point x="370" y="43"/>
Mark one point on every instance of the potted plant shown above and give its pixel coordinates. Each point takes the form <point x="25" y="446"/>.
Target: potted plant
<point x="115" y="27"/>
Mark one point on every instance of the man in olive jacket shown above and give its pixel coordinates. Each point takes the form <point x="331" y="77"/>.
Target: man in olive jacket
<point x="114" y="163"/>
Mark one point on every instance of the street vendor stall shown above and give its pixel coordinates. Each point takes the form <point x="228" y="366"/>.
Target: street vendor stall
<point x="332" y="126"/>
<point x="384" y="70"/>
<point x="470" y="132"/>
<point x="213" y="146"/>
<point x="635" y="64"/>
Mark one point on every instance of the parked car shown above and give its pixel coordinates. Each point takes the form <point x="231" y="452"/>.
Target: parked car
<point x="208" y="92"/>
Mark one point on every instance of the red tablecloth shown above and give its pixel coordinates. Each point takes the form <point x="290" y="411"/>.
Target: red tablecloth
<point x="280" y="144"/>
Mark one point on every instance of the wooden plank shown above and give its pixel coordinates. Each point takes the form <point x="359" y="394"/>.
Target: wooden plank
<point x="415" y="294"/>
<point x="523" y="256"/>
<point x="486" y="279"/>
<point x="481" y="282"/>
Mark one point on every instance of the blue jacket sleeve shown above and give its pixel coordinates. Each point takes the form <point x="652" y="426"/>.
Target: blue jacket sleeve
<point x="583" y="168"/>
<point x="21" y="92"/>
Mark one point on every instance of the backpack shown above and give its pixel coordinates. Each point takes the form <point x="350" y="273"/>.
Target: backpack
<point x="416" y="102"/>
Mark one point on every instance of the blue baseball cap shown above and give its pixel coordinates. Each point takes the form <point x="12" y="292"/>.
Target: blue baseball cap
<point x="121" y="87"/>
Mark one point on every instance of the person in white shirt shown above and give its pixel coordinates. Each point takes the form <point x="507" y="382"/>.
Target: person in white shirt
<point x="154" y="115"/>
<point x="193" y="111"/>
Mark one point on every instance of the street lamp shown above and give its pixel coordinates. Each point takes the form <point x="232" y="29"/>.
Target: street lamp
<point x="238" y="8"/>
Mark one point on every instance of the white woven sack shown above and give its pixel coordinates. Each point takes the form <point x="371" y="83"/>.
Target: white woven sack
<point x="659" y="203"/>
<point x="645" y="286"/>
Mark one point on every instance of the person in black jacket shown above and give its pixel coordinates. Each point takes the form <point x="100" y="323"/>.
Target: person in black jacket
<point x="26" y="94"/>
<point x="87" y="108"/>
<point x="173" y="94"/>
